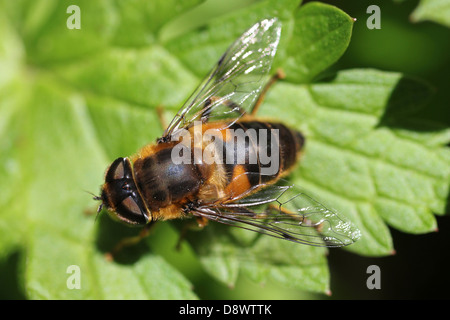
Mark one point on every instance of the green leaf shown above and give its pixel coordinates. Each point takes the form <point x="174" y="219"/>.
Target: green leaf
<point x="199" y="50"/>
<point x="146" y="18"/>
<point x="49" y="41"/>
<point x="58" y="235"/>
<point x="226" y="253"/>
<point x="433" y="10"/>
<point x="362" y="159"/>
<point x="320" y="35"/>
<point x="71" y="101"/>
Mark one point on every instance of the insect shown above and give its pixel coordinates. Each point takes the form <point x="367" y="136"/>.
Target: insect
<point x="217" y="162"/>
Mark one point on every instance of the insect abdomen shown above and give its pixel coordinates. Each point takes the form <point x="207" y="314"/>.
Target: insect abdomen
<point x="270" y="150"/>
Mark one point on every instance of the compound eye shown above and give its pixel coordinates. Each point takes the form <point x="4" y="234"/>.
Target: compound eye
<point x="119" y="172"/>
<point x="129" y="211"/>
<point x="119" y="169"/>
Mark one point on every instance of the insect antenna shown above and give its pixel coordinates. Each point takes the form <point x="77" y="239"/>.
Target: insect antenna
<point x="97" y="198"/>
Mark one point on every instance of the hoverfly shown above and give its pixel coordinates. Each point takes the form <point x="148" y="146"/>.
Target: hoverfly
<point x="240" y="187"/>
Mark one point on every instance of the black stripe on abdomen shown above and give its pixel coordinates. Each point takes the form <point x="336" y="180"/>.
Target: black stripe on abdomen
<point x="264" y="154"/>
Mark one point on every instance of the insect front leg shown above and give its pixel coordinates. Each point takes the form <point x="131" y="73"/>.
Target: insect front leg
<point x="129" y="241"/>
<point x="192" y="225"/>
<point x="197" y="224"/>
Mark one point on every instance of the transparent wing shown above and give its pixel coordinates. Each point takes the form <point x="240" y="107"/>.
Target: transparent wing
<point x="235" y="82"/>
<point x="284" y="212"/>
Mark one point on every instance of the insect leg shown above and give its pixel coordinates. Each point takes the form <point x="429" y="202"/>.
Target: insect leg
<point x="207" y="108"/>
<point x="200" y="223"/>
<point x="302" y="219"/>
<point x="129" y="241"/>
<point x="160" y="114"/>
<point x="278" y="75"/>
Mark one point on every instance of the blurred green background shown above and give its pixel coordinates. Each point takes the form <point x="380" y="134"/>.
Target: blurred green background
<point x="419" y="267"/>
